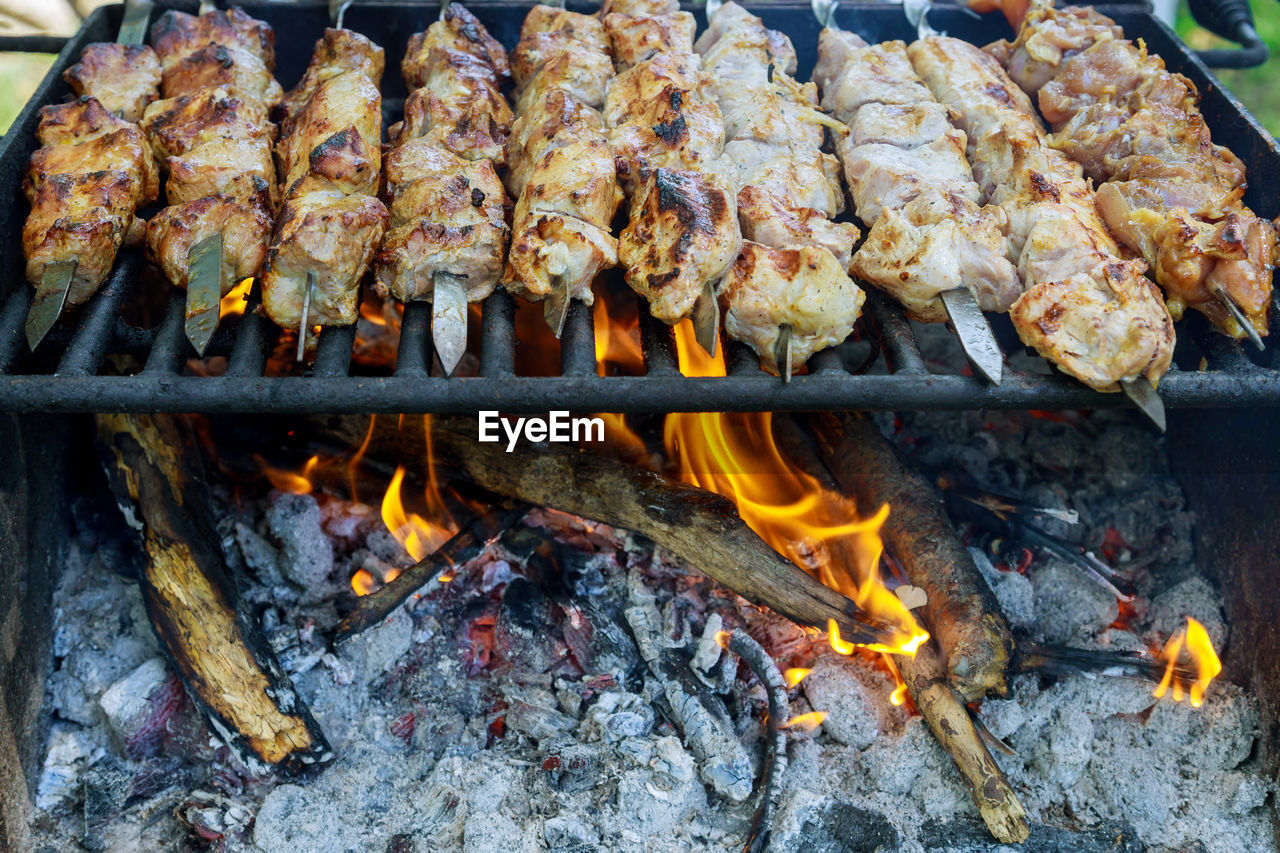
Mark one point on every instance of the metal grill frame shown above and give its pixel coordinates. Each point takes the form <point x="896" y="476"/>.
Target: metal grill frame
<point x="1216" y="372"/>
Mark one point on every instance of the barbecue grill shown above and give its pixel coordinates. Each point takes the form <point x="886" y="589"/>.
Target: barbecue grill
<point x="68" y="374"/>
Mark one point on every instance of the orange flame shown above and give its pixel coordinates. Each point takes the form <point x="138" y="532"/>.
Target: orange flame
<point x="363" y="583"/>
<point x="1200" y="649"/>
<point x="735" y="455"/>
<point x="795" y="675"/>
<point x="417" y="534"/>
<point x="295" y="483"/>
<point x="617" y="343"/>
<point x="233" y="304"/>
<point x="806" y="722"/>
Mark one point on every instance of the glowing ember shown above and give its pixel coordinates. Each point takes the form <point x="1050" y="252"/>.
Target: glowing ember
<point x="806" y="722"/>
<point x="735" y="455"/>
<point x="722" y="639"/>
<point x="233" y="304"/>
<point x="363" y="583"/>
<point x="1200" y="650"/>
<point x="795" y="675"/>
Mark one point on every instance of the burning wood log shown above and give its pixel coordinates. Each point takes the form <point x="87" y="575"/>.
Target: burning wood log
<point x="228" y="668"/>
<point x="465" y="545"/>
<point x="927" y="682"/>
<point x="961" y="611"/>
<point x="701" y="528"/>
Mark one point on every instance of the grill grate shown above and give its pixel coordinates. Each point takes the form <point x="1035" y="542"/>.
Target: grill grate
<point x="66" y="374"/>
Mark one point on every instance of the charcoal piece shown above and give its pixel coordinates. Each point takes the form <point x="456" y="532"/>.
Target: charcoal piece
<point x="598" y="641"/>
<point x="844" y="828"/>
<point x="525" y="633"/>
<point x="107" y="788"/>
<point x="306" y="555"/>
<point x="573" y="767"/>
<point x="970" y="836"/>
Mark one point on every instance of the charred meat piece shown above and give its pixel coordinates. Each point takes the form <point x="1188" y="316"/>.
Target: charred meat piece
<point x="123" y="77"/>
<point x="175" y="230"/>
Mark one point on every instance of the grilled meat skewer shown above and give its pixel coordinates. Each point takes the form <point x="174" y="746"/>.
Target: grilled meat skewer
<point x="559" y="162"/>
<point x="1085" y="306"/>
<point x="330" y="160"/>
<point x="213" y="136"/>
<point x="668" y="142"/>
<point x="447" y="236"/>
<point x="90" y="175"/>
<point x="788" y="295"/>
<point x="1165" y="189"/>
<point x="911" y="183"/>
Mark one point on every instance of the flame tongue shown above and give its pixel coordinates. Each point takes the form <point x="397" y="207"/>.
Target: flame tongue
<point x="1199" y="648"/>
<point x="735" y="455"/>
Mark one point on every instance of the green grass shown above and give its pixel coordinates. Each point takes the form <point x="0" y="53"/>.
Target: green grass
<point x="1255" y="87"/>
<point x="20" y="73"/>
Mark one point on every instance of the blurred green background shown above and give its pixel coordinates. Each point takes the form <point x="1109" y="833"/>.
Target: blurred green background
<point x="1258" y="88"/>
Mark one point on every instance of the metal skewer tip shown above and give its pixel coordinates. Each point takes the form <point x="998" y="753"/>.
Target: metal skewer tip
<point x="449" y="319"/>
<point x="1238" y="314"/>
<point x="706" y="319"/>
<point x="337" y="12"/>
<point x="974" y="332"/>
<point x="713" y="6"/>
<point x="1140" y="390"/>
<point x="302" y="320"/>
<point x="782" y="351"/>
<point x="50" y="297"/>
<point x="133" y="26"/>
<point x="555" y="308"/>
<point x="206" y="275"/>
<point x="825" y="12"/>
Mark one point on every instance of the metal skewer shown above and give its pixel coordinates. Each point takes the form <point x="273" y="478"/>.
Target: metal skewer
<point x="1140" y="390"/>
<point x="449" y="318"/>
<point x="206" y="278"/>
<point x="782" y="351"/>
<point x="337" y="12"/>
<point x="1230" y="304"/>
<point x="706" y="319"/>
<point x="973" y="330"/>
<point x="55" y="281"/>
<point x="302" y="320"/>
<point x="555" y="308"/>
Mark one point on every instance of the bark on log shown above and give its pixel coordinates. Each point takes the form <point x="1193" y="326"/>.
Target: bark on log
<point x="949" y="720"/>
<point x="926" y="681"/>
<point x="702" y="528"/>
<point x="962" y="613"/>
<point x="227" y="666"/>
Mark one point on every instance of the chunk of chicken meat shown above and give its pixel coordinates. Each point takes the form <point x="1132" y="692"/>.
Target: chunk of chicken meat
<point x="683" y="233"/>
<point x="637" y="38"/>
<point x="81" y="137"/>
<point x="461" y="111"/>
<point x="176" y="35"/>
<point x="802" y="287"/>
<point x="123" y="77"/>
<point x="461" y="32"/>
<point x="556" y="120"/>
<point x="448" y="214"/>
<point x="1049" y="37"/>
<point x="172" y="233"/>
<point x="220" y="66"/>
<point x="336" y="52"/>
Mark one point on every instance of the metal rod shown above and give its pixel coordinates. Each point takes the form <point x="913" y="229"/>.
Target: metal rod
<point x="894" y="333"/>
<point x="12" y="317"/>
<point x="657" y="344"/>
<point x="170" y="348"/>
<point x="826" y="361"/>
<point x="411" y="357"/>
<point x="578" y="341"/>
<point x="333" y="351"/>
<point x="255" y="337"/>
<point x="89" y="344"/>
<point x="498" y="335"/>
<point x="740" y="359"/>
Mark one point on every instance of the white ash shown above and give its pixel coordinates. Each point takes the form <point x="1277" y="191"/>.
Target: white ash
<point x="524" y="707"/>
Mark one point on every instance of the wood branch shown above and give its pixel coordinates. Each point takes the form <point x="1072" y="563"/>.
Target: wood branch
<point x="226" y="664"/>
<point x="961" y="611"/>
<point x="465" y="545"/>
<point x="701" y="528"/>
<point x="949" y="720"/>
<point x="926" y="681"/>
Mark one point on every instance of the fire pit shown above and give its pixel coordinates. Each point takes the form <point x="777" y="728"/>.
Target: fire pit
<point x="300" y="620"/>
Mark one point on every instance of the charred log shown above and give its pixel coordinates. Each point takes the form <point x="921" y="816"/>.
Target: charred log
<point x="701" y="528"/>
<point x="961" y="611"/>
<point x="229" y="670"/>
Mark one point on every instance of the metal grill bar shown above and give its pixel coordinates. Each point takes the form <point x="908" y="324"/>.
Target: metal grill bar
<point x="895" y="336"/>
<point x="171" y="346"/>
<point x="333" y="351"/>
<point x="12" y="341"/>
<point x="89" y="344"/>
<point x="411" y="359"/>
<point x="578" y="342"/>
<point x="498" y="336"/>
<point x="658" y="345"/>
<point x="739" y="359"/>
<point x="827" y="361"/>
<point x="257" y="335"/>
